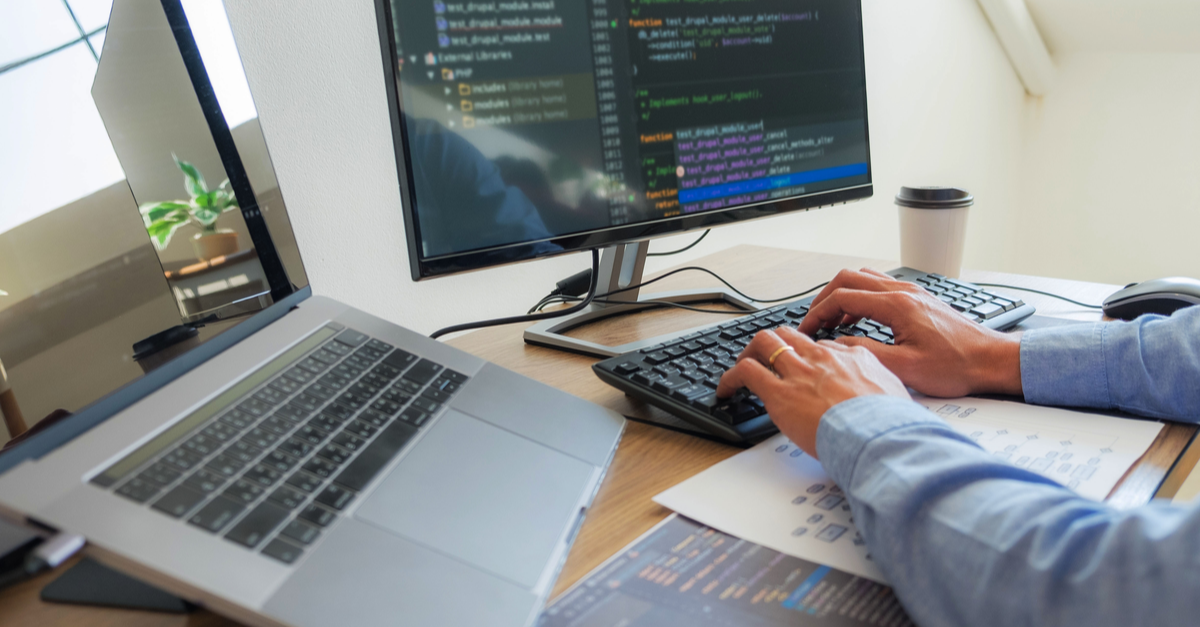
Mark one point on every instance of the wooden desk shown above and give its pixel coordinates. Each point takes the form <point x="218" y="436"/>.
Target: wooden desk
<point x="651" y="459"/>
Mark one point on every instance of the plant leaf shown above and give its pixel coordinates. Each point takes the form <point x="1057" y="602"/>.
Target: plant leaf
<point x="152" y="212"/>
<point x="162" y="230"/>
<point x="206" y="216"/>
<point x="193" y="180"/>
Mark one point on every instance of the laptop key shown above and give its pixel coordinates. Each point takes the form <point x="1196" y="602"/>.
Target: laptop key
<point x="225" y="466"/>
<point x="285" y="385"/>
<point x="277" y="425"/>
<point x="335" y="497"/>
<point x="270" y="396"/>
<point x="285" y="552"/>
<point x="363" y="468"/>
<point x="348" y="441"/>
<point x="414" y="416"/>
<point x="243" y="492"/>
<point x="263" y="476"/>
<point x="291" y="414"/>
<point x="257" y="525"/>
<point x="255" y="408"/>
<point x="311" y="435"/>
<point x="205" y="481"/>
<point x="321" y="467"/>
<point x="360" y="429"/>
<point x="277" y="460"/>
<point x="318" y="515"/>
<point x="182" y="459"/>
<point x="399" y="359"/>
<point x="289" y="497"/>
<point x="221" y="432"/>
<point x="300" y="532"/>
<point x="179" y="501"/>
<point x="335" y="454"/>
<point x="296" y="448"/>
<point x="325" y="423"/>
<point x="238" y="419"/>
<point x="138" y="490"/>
<point x="352" y="338"/>
<point x="214" y="516"/>
<point x="160" y="473"/>
<point x="423" y="372"/>
<point x="242" y="451"/>
<point x="261" y="437"/>
<point x="339" y="412"/>
<point x="299" y="375"/>
<point x="375" y="418"/>
<point x="304" y="481"/>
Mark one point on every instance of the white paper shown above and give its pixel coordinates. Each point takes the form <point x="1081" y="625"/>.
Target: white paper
<point x="779" y="497"/>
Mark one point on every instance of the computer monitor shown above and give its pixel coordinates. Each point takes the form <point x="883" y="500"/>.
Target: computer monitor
<point x="531" y="128"/>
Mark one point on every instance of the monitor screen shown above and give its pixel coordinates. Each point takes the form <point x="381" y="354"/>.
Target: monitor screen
<point x="527" y="128"/>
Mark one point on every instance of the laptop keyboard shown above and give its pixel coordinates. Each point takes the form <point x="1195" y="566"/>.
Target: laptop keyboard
<point x="274" y="465"/>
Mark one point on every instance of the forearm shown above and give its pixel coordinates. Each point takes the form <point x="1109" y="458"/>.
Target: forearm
<point x="1149" y="367"/>
<point x="969" y="540"/>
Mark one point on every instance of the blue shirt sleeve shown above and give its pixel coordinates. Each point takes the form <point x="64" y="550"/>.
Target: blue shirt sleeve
<point x="1149" y="367"/>
<point x="967" y="539"/>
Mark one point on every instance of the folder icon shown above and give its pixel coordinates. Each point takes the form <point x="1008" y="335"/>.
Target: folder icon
<point x="467" y="105"/>
<point x="468" y="121"/>
<point x="447" y="74"/>
<point x="464" y="89"/>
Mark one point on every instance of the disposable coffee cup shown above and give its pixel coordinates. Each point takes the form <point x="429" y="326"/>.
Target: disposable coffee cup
<point x="933" y="228"/>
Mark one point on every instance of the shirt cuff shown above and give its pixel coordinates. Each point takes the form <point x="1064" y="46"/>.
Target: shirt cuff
<point x="1065" y="366"/>
<point x="848" y="427"/>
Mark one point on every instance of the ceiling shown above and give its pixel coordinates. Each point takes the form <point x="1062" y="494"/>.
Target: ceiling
<point x="1118" y="25"/>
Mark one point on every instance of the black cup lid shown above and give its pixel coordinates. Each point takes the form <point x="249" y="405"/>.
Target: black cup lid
<point x="934" y="197"/>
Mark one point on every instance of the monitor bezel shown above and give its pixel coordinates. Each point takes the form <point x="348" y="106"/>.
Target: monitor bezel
<point x="428" y="268"/>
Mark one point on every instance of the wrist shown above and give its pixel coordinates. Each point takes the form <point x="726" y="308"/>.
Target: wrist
<point x="997" y="366"/>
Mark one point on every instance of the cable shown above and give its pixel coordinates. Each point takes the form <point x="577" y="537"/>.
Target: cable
<point x="661" y="303"/>
<point x="531" y="318"/>
<point x="1026" y="289"/>
<point x="684" y="249"/>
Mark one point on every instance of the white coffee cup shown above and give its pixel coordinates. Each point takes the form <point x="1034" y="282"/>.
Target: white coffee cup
<point x="933" y="228"/>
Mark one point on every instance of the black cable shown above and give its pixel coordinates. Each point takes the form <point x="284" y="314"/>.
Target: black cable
<point x="1026" y="289"/>
<point x="535" y="317"/>
<point x="717" y="277"/>
<point x="684" y="249"/>
<point x="660" y="303"/>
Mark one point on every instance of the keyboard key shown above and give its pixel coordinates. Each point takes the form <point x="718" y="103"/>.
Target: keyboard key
<point x="425" y="405"/>
<point x="321" y="467"/>
<point x="318" y="515"/>
<point x="138" y="490"/>
<point x="243" y="492"/>
<point x="205" y="481"/>
<point x="626" y="368"/>
<point x="304" y="481"/>
<point x="225" y="466"/>
<point x="289" y="497"/>
<point x="306" y="403"/>
<point x="325" y="423"/>
<point x="312" y="366"/>
<point x="300" y="532"/>
<point x="182" y="459"/>
<point x="179" y="501"/>
<point x="988" y="310"/>
<point x="282" y="551"/>
<point x="326" y="357"/>
<point x="296" y="448"/>
<point x="214" y="516"/>
<point x="360" y="429"/>
<point x="349" y="442"/>
<point x="399" y="359"/>
<point x="354" y="399"/>
<point x="276" y="425"/>
<point x="277" y="460"/>
<point x="242" y="451"/>
<point x="261" y="438"/>
<point x="285" y="385"/>
<point x="255" y="408"/>
<point x="435" y="395"/>
<point x="335" y="497"/>
<point x="363" y="468"/>
<point x="379" y="345"/>
<point x="263" y="476"/>
<point x="238" y="419"/>
<point x="270" y="396"/>
<point x="423" y="372"/>
<point x="160" y="473"/>
<point x="292" y="414"/>
<point x="299" y="375"/>
<point x="321" y="391"/>
<point x="311" y="435"/>
<point x="352" y="338"/>
<point x="257" y="525"/>
<point x="335" y="454"/>
<point x="414" y="416"/>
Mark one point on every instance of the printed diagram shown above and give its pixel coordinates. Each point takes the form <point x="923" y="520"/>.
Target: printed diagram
<point x="1086" y="453"/>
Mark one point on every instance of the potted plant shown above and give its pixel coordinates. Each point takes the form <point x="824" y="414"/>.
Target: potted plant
<point x="203" y="209"/>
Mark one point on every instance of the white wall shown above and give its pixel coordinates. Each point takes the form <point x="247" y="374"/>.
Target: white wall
<point x="945" y="105"/>
<point x="1109" y="187"/>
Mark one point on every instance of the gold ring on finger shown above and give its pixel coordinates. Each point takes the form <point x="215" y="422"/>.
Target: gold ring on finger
<point x="781" y="350"/>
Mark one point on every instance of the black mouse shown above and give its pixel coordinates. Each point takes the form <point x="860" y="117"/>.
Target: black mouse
<point x="1160" y="296"/>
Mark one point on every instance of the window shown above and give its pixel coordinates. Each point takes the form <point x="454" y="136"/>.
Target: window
<point x="56" y="149"/>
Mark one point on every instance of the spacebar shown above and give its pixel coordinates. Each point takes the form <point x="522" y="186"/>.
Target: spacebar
<point x="359" y="473"/>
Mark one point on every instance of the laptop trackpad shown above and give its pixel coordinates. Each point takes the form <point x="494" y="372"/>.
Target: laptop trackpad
<point x="483" y="495"/>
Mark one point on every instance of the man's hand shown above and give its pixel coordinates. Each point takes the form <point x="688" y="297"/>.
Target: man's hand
<point x="937" y="351"/>
<point x="806" y="380"/>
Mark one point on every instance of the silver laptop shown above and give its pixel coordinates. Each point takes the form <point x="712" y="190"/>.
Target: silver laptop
<point x="310" y="464"/>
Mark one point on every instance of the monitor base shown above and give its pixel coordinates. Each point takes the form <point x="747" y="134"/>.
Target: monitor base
<point x="551" y="333"/>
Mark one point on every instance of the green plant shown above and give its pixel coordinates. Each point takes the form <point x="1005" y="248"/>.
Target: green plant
<point x="162" y="219"/>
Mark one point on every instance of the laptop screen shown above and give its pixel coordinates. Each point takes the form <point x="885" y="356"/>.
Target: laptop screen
<point x="99" y="292"/>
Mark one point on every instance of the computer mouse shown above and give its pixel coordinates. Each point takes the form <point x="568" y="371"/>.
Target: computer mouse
<point x="1160" y="296"/>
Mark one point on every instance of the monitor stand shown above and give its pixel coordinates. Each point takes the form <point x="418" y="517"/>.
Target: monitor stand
<point x="620" y="267"/>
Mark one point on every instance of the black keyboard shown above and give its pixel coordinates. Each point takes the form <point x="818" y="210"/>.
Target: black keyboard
<point x="273" y="461"/>
<point x="681" y="375"/>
